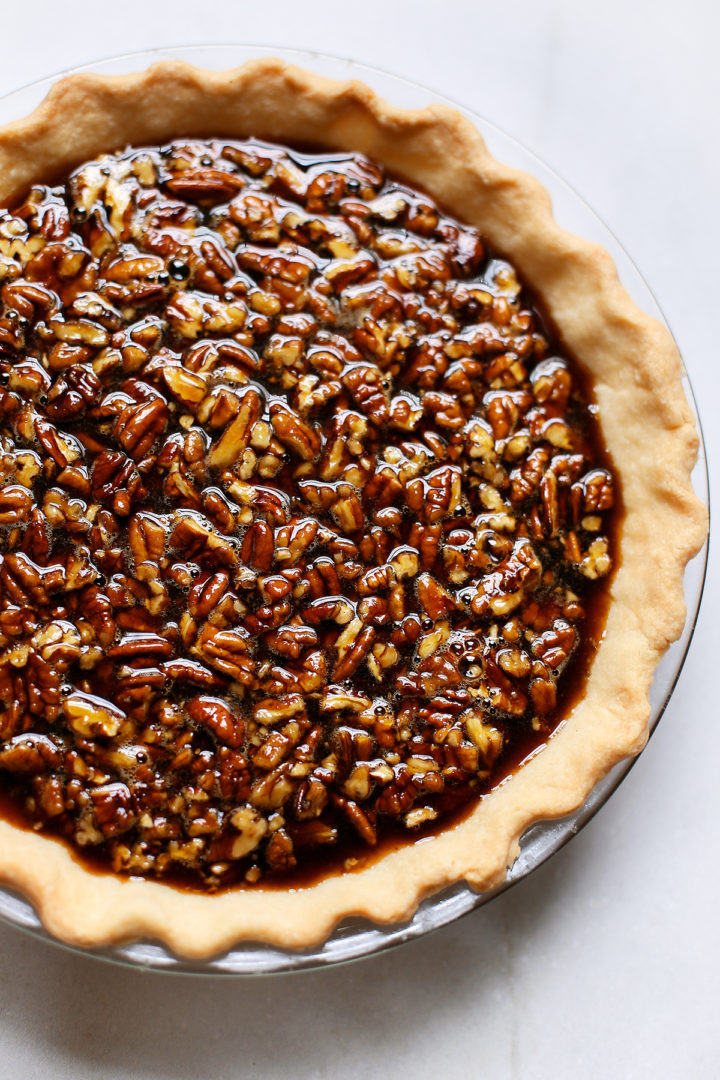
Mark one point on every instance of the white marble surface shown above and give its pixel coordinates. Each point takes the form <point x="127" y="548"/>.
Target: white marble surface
<point x="605" y="962"/>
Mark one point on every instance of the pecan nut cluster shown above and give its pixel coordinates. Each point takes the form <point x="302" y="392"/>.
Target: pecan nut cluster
<point x="300" y="510"/>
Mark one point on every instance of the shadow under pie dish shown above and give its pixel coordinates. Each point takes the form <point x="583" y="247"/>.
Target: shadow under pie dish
<point x="215" y="347"/>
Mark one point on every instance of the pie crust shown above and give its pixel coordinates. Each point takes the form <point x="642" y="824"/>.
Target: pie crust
<point x="647" y="428"/>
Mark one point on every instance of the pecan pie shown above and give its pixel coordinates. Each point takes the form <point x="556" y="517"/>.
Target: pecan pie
<point x="337" y="481"/>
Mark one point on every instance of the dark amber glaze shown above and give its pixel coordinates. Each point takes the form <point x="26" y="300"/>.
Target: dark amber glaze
<point x="350" y="853"/>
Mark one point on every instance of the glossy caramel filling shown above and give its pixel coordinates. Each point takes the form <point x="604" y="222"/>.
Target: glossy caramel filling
<point x="303" y="514"/>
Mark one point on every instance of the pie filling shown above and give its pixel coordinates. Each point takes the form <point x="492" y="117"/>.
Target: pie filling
<point x="301" y="516"/>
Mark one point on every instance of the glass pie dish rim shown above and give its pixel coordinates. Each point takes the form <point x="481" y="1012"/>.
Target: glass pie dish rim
<point x="356" y="938"/>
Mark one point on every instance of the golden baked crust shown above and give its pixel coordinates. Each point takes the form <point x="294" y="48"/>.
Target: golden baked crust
<point x="636" y="373"/>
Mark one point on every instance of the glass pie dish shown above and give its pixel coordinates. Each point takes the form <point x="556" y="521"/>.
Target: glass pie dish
<point x="349" y="941"/>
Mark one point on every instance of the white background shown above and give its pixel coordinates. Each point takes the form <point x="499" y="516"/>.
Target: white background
<point x="605" y="962"/>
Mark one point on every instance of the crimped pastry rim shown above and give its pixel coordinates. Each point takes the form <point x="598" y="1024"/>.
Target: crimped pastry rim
<point x="636" y="371"/>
